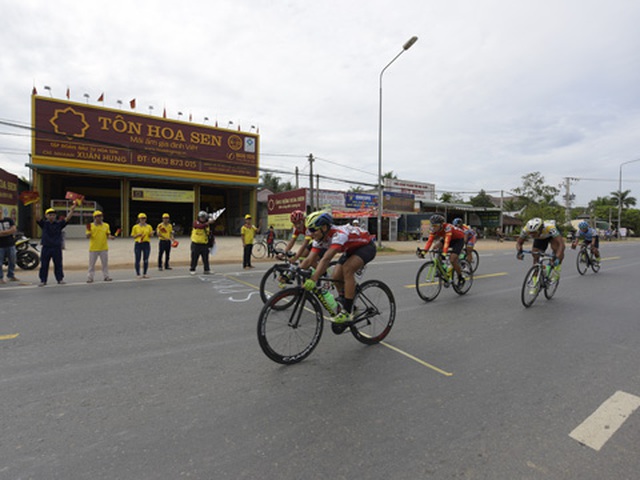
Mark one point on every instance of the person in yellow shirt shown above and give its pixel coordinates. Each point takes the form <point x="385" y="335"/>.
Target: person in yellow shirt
<point x="200" y="235"/>
<point x="98" y="233"/>
<point x="247" y="233"/>
<point x="164" y="231"/>
<point x="142" y="233"/>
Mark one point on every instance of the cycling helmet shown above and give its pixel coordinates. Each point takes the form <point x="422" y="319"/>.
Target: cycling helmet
<point x="457" y="222"/>
<point x="436" y="219"/>
<point x="584" y="226"/>
<point x="533" y="225"/>
<point x="296" y="216"/>
<point x="316" y="219"/>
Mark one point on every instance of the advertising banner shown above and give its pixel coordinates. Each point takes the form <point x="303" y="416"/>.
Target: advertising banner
<point x="361" y="201"/>
<point x="286" y="202"/>
<point x="74" y="135"/>
<point x="422" y="191"/>
<point x="9" y="195"/>
<point x="162" y="195"/>
<point x="398" y="202"/>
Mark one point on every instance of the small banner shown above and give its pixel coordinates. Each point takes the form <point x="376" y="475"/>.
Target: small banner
<point x="29" y="197"/>
<point x="74" y="197"/>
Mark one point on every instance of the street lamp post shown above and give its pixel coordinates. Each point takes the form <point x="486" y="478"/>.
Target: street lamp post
<point x="405" y="47"/>
<point x="620" y="192"/>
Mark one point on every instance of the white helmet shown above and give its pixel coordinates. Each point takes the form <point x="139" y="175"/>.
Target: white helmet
<point x="202" y="213"/>
<point x="533" y="225"/>
<point x="356" y="222"/>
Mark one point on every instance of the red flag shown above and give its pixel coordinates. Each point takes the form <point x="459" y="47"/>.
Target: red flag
<point x="34" y="91"/>
<point x="101" y="97"/>
<point x="132" y="103"/>
<point x="68" y="93"/>
<point x="164" y="112"/>
<point x="29" y="197"/>
<point x="74" y="197"/>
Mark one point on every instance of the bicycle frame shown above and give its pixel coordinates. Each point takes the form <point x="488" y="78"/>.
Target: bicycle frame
<point x="539" y="277"/>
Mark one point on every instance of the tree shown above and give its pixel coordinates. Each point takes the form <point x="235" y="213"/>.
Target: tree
<point x="271" y="182"/>
<point x="534" y="190"/>
<point x="482" y="200"/>
<point x="448" y="197"/>
<point x="390" y="175"/>
<point x="624" y="198"/>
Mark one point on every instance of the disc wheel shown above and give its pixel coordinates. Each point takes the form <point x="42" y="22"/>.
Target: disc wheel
<point x="374" y="312"/>
<point x="531" y="286"/>
<point x="290" y="326"/>
<point x="582" y="262"/>
<point x="428" y="281"/>
<point x="467" y="275"/>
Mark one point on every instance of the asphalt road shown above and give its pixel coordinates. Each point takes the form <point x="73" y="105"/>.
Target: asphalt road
<point x="164" y="378"/>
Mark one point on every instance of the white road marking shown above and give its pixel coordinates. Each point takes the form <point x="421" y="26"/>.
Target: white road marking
<point x="600" y="426"/>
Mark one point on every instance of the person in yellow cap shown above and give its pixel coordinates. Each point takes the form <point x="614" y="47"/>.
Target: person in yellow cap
<point x="142" y="233"/>
<point x="247" y="234"/>
<point x="98" y="232"/>
<point x="52" y="243"/>
<point x="164" y="231"/>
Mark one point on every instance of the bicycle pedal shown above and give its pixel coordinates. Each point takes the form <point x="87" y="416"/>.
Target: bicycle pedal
<point x="338" y="328"/>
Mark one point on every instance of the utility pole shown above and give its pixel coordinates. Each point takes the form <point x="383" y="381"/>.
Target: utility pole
<point x="568" y="197"/>
<point x="318" y="191"/>
<point x="297" y="173"/>
<point x="311" y="182"/>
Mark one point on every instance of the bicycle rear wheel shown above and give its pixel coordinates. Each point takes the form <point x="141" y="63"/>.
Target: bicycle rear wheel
<point x="277" y="275"/>
<point x="288" y="334"/>
<point x="374" y="312"/>
<point x="467" y="275"/>
<point x="428" y="281"/>
<point x="595" y="264"/>
<point x="280" y="246"/>
<point x="551" y="284"/>
<point x="531" y="286"/>
<point x="582" y="262"/>
<point x="259" y="250"/>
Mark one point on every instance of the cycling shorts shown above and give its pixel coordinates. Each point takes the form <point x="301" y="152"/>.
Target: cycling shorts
<point x="456" y="246"/>
<point x="366" y="253"/>
<point x="541" y="243"/>
<point x="596" y="242"/>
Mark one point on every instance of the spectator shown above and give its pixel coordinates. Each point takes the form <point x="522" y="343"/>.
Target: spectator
<point x="98" y="233"/>
<point x="200" y="237"/>
<point x="52" y="243"/>
<point x="164" y="231"/>
<point x="271" y="236"/>
<point x="247" y="234"/>
<point x="142" y="233"/>
<point x="7" y="246"/>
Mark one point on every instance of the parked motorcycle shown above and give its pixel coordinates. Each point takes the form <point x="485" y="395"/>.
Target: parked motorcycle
<point x="27" y="253"/>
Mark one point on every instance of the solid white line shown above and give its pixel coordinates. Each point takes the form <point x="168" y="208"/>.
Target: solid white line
<point x="600" y="426"/>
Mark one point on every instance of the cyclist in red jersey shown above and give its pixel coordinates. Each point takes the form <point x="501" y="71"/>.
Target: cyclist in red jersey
<point x="356" y="246"/>
<point x="299" y="228"/>
<point x="451" y="236"/>
<point x="470" y="236"/>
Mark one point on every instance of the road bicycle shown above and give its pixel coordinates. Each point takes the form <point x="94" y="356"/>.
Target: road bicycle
<point x="291" y="322"/>
<point x="260" y="247"/>
<point x="474" y="261"/>
<point x="542" y="276"/>
<point x="438" y="272"/>
<point x="586" y="259"/>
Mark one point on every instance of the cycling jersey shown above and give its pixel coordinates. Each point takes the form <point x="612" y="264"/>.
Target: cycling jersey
<point x="470" y="234"/>
<point x="589" y="235"/>
<point x="549" y="230"/>
<point x="297" y="232"/>
<point x="448" y="232"/>
<point x="344" y="238"/>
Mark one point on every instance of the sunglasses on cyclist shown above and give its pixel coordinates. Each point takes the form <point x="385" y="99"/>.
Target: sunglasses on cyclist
<point x="312" y="229"/>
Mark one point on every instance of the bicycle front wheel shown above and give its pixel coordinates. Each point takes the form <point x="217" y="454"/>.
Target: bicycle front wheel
<point x="374" y="312"/>
<point x="582" y="262"/>
<point x="428" y="281"/>
<point x="259" y="250"/>
<point x="288" y="334"/>
<point x="531" y="286"/>
<point x="275" y="279"/>
<point x="474" y="260"/>
<point x="467" y="275"/>
<point x="595" y="264"/>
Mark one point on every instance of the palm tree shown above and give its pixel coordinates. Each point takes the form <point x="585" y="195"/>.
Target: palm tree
<point x="623" y="198"/>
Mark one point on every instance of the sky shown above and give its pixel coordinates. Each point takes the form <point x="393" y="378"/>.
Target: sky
<point x="491" y="91"/>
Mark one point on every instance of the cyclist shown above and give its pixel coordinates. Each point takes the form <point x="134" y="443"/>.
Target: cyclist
<point x="451" y="236"/>
<point x="357" y="248"/>
<point x="297" y="219"/>
<point x="591" y="239"/>
<point x="470" y="237"/>
<point x="544" y="233"/>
